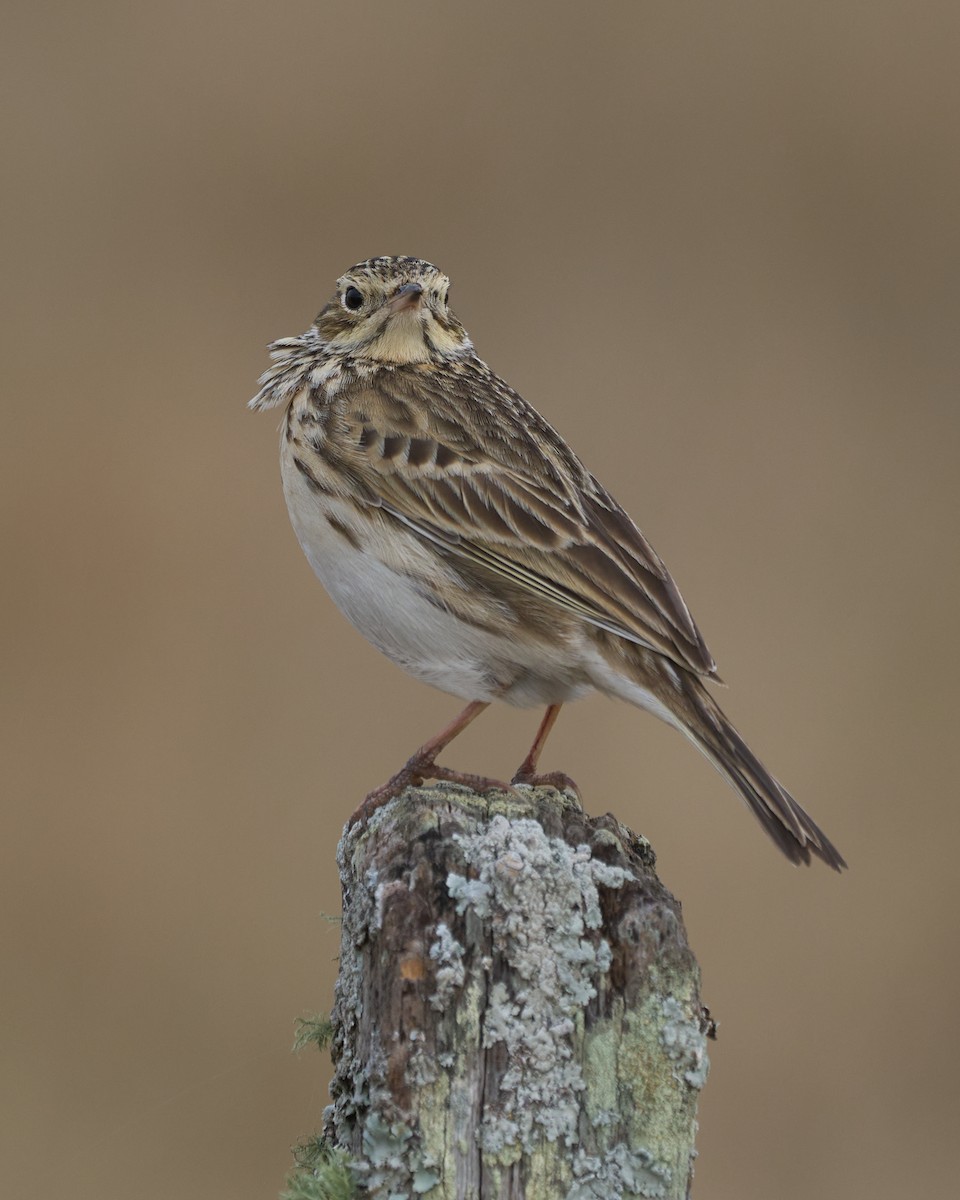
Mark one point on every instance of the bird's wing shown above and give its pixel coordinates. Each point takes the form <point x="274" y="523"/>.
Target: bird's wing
<point x="473" y="468"/>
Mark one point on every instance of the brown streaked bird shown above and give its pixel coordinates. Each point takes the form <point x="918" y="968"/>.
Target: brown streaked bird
<point x="460" y="534"/>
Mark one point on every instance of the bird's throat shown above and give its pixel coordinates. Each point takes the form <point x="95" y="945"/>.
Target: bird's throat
<point x="401" y="341"/>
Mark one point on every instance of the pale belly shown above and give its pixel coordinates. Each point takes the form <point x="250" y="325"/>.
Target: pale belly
<point x="380" y="587"/>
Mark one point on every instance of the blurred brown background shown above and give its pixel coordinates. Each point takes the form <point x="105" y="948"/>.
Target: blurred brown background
<point x="717" y="245"/>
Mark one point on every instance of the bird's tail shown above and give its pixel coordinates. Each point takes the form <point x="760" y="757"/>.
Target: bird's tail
<point x="679" y="697"/>
<point x="793" y="829"/>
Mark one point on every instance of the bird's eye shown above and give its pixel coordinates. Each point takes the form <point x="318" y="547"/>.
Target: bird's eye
<point x="353" y="299"/>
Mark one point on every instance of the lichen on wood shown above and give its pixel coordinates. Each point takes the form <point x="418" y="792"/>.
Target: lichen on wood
<point x="517" y="1013"/>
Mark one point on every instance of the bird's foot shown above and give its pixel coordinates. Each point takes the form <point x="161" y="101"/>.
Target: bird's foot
<point x="416" y="771"/>
<point x="554" y="779"/>
<point x="477" y="783"/>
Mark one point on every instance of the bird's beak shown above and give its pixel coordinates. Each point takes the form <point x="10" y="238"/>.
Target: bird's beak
<point x="407" y="297"/>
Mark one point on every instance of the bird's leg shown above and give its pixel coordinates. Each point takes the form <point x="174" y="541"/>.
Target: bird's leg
<point x="422" y="765"/>
<point x="527" y="771"/>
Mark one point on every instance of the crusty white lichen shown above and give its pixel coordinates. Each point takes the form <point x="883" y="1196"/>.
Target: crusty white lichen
<point x="447" y="953"/>
<point x="540" y="898"/>
<point x="685" y="1043"/>
<point x="392" y="1157"/>
<point x="619" y="1174"/>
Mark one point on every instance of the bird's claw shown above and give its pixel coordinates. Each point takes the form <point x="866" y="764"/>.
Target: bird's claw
<point x="415" y="772"/>
<point x="554" y="779"/>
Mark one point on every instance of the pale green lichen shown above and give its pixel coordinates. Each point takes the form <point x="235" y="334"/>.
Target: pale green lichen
<point x="600" y="1051"/>
<point x="425" y="1179"/>
<point x="316" y="1031"/>
<point x="323" y="1173"/>
<point x="383" y="1143"/>
<point x="392" y="1156"/>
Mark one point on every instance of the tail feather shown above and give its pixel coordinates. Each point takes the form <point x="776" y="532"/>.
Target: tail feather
<point x="793" y="829"/>
<point x="679" y="697"/>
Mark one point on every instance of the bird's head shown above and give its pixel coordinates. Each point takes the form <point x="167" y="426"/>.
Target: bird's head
<point x="392" y="310"/>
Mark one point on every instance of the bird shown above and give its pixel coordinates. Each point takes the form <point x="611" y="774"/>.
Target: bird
<point x="460" y="534"/>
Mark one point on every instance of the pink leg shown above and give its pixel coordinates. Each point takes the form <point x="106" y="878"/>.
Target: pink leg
<point x="422" y="765"/>
<point x="527" y="771"/>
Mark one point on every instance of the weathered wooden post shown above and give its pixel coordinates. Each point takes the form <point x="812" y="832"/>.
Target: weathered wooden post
<point x="517" y="1012"/>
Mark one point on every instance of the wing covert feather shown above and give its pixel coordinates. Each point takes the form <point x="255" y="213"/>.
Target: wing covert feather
<point x="510" y="496"/>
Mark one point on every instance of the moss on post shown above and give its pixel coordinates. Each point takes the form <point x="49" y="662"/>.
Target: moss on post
<point x="518" y="1011"/>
